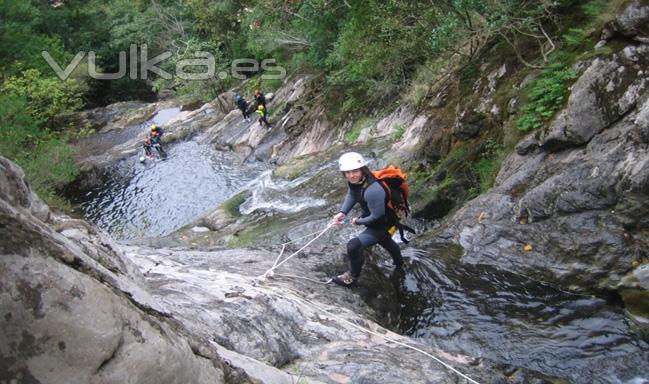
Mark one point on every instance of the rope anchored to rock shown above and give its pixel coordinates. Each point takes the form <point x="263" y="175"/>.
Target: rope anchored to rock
<point x="277" y="264"/>
<point x="270" y="272"/>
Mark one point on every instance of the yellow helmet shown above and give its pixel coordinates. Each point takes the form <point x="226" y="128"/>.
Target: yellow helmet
<point x="154" y="127"/>
<point x="261" y="107"/>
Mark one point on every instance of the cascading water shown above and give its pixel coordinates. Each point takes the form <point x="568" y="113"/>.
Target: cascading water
<point x="475" y="310"/>
<point x="268" y="193"/>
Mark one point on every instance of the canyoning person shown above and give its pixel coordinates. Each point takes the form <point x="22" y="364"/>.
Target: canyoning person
<point x="260" y="99"/>
<point x="148" y="147"/>
<point x="154" y="136"/>
<point x="242" y="104"/>
<point x="156" y="133"/>
<point x="261" y="110"/>
<point x="376" y="216"/>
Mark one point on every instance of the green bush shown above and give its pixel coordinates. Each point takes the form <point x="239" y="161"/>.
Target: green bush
<point x="45" y="157"/>
<point x="352" y="135"/>
<point x="397" y="131"/>
<point x="545" y="96"/>
<point x="49" y="167"/>
<point x="18" y="130"/>
<point x="46" y="96"/>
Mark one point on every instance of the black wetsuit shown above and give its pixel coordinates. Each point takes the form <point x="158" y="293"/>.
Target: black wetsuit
<point x="260" y="99"/>
<point x="373" y="201"/>
<point x="242" y="104"/>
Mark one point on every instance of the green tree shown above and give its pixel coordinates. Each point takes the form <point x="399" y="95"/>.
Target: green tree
<point x="46" y="96"/>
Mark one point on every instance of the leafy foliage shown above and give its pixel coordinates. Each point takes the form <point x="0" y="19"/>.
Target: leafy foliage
<point x="398" y="131"/>
<point x="45" y="157"/>
<point x="46" y="96"/>
<point x="546" y="94"/>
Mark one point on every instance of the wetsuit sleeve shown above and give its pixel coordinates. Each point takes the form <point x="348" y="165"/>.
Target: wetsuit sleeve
<point x="349" y="203"/>
<point x="375" y="197"/>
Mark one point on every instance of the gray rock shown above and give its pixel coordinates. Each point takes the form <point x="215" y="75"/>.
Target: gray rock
<point x="14" y="190"/>
<point x="70" y="316"/>
<point x="560" y="210"/>
<point x="468" y="124"/>
<point x="634" y="21"/>
<point x="80" y="308"/>
<point x="527" y="145"/>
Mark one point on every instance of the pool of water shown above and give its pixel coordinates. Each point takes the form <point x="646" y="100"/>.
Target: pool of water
<point x="504" y="317"/>
<point x="156" y="197"/>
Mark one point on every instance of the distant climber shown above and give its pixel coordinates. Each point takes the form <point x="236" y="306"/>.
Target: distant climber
<point x="242" y="104"/>
<point x="148" y="147"/>
<point x="262" y="116"/>
<point x="156" y="134"/>
<point x="260" y="99"/>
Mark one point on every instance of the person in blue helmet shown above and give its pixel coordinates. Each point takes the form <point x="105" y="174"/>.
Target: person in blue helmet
<point x="363" y="189"/>
<point x="242" y="104"/>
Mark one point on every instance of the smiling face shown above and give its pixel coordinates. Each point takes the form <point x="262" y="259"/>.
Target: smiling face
<point x="355" y="176"/>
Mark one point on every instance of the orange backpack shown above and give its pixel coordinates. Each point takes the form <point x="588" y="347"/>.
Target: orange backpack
<point x="393" y="180"/>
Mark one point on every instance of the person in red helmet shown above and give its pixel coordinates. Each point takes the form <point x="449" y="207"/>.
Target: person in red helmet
<point x="260" y="99"/>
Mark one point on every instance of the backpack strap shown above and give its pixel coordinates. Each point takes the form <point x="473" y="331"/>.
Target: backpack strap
<point x="393" y="218"/>
<point x="402" y="227"/>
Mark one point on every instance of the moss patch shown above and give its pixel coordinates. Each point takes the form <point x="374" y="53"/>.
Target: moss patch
<point x="254" y="232"/>
<point x="231" y="205"/>
<point x="636" y="301"/>
<point x="295" y="167"/>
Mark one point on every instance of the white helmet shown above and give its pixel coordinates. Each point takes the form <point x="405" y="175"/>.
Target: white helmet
<point x="350" y="161"/>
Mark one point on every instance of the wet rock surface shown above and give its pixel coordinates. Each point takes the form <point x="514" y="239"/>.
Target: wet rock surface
<point x="78" y="309"/>
<point x="74" y="310"/>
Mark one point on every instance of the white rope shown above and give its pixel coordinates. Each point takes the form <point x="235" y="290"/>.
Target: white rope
<point x="388" y="339"/>
<point x="292" y="241"/>
<point x="276" y="265"/>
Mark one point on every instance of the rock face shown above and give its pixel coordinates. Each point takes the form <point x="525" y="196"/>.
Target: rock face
<point x="77" y="309"/>
<point x="572" y="203"/>
<point x="74" y="311"/>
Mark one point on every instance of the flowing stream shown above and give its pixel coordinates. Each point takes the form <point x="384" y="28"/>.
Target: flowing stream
<point x="504" y="317"/>
<point x="476" y="310"/>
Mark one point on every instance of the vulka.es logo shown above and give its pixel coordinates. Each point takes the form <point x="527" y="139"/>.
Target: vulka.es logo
<point x="202" y="67"/>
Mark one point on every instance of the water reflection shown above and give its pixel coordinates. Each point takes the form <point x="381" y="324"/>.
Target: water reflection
<point x="507" y="318"/>
<point x="158" y="197"/>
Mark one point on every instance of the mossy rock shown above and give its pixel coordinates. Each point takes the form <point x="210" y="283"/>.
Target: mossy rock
<point x="256" y="234"/>
<point x="636" y="301"/>
<point x="295" y="167"/>
<point x="231" y="205"/>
